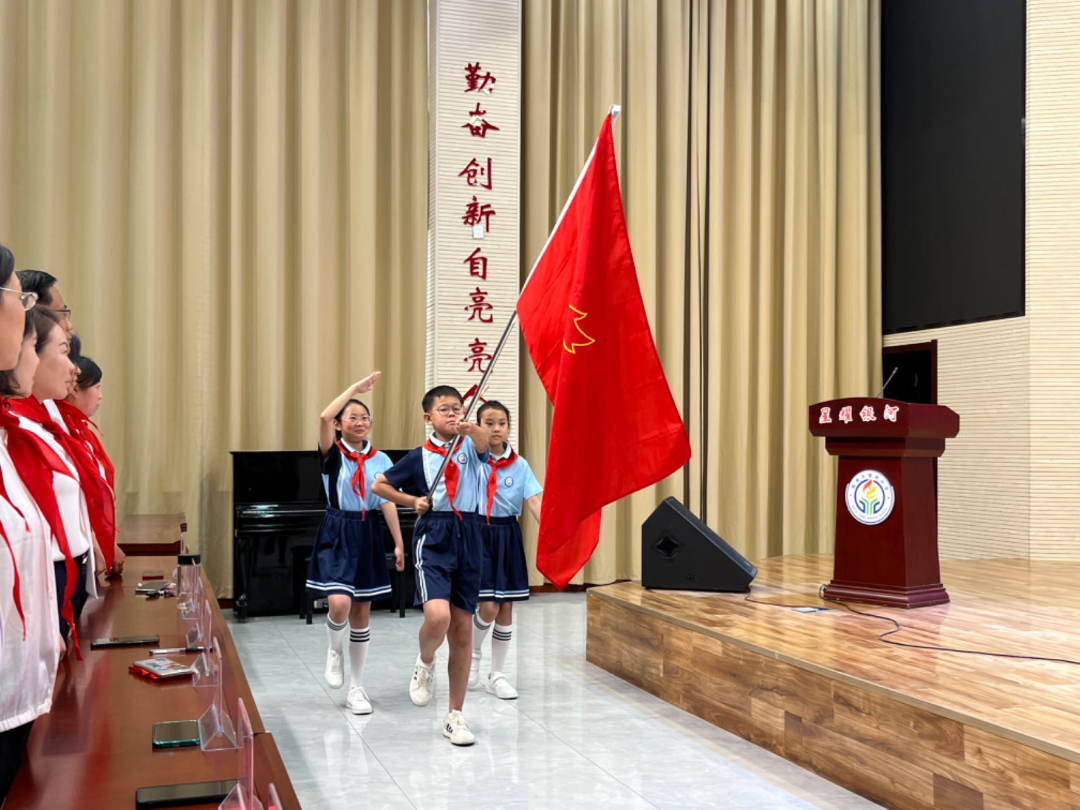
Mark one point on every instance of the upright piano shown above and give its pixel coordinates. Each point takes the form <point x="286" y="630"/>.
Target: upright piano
<point x="278" y="504"/>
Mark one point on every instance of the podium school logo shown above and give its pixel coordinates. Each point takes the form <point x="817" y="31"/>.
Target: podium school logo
<point x="870" y="497"/>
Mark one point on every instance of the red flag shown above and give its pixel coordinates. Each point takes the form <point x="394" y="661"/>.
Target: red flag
<point x="616" y="428"/>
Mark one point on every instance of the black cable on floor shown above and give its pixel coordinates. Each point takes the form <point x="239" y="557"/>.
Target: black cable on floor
<point x="778" y="604"/>
<point x="883" y="637"/>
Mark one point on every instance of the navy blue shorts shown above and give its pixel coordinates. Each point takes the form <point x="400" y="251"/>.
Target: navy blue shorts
<point x="349" y="557"/>
<point x="505" y="575"/>
<point x="448" y="552"/>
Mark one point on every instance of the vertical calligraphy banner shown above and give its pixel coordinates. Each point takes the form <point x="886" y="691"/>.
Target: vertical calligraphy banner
<point x="474" y="132"/>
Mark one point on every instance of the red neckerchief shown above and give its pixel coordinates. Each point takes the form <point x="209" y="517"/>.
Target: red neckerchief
<point x="79" y="424"/>
<point x="16" y="589"/>
<point x="99" y="499"/>
<point x="493" y="478"/>
<point x="36" y="463"/>
<point x="358" y="477"/>
<point x="452" y="472"/>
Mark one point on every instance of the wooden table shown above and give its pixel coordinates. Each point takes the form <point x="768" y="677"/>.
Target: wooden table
<point x="93" y="750"/>
<point x="156" y="535"/>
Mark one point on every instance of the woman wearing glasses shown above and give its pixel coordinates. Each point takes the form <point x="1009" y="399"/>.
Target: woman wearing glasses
<point x="43" y="285"/>
<point x="348" y="563"/>
<point x="29" y="642"/>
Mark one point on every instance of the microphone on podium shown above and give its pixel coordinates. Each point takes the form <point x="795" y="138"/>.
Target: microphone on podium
<point x="882" y="391"/>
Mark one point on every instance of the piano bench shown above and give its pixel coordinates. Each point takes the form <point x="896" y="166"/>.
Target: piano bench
<point x="397" y="582"/>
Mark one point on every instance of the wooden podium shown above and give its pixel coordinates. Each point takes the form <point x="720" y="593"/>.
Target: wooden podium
<point x="886" y="499"/>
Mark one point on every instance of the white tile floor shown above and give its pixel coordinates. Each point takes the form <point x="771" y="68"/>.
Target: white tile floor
<point x="577" y="737"/>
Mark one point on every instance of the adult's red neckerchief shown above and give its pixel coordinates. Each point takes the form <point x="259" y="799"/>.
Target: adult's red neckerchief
<point x="36" y="463"/>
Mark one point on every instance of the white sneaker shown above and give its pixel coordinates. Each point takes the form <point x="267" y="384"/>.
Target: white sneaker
<point x="335" y="669"/>
<point x="474" y="670"/>
<point x="498" y="686"/>
<point x="358" y="702"/>
<point x="423" y="682"/>
<point x="455" y="728"/>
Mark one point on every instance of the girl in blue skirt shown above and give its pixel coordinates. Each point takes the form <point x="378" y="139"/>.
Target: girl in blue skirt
<point x="348" y="563"/>
<point x="505" y="485"/>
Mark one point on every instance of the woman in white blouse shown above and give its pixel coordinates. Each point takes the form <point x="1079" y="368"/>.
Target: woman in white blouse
<point x="29" y="639"/>
<point x="51" y="378"/>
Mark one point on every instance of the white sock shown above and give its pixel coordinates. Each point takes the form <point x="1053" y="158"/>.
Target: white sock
<point x="336" y="632"/>
<point x="358" y="644"/>
<point x="479" y="632"/>
<point x="500" y="646"/>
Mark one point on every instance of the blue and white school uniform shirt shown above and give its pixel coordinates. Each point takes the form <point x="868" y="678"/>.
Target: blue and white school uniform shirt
<point x="420" y="466"/>
<point x="514" y="484"/>
<point x="338" y="473"/>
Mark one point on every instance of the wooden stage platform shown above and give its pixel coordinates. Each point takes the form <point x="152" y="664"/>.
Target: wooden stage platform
<point x="906" y="728"/>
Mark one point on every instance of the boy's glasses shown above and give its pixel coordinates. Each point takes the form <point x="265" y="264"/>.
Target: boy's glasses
<point x="63" y="314"/>
<point x="446" y="412"/>
<point x="27" y="299"/>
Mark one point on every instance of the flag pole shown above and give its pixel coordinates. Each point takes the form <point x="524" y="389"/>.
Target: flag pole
<point x="614" y="112"/>
<point x="480" y="388"/>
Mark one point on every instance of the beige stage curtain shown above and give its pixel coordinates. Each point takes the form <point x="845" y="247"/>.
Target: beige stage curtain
<point x="234" y="197"/>
<point x="749" y="155"/>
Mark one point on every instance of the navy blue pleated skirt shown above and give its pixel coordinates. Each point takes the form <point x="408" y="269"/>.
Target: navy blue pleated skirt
<point x="504" y="576"/>
<point x="349" y="557"/>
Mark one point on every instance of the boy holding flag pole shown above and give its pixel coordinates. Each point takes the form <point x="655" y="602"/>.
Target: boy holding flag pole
<point x="584" y="323"/>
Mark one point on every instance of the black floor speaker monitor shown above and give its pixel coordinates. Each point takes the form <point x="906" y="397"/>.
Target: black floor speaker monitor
<point x="679" y="552"/>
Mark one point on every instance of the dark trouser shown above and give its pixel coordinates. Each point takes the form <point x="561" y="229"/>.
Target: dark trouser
<point x="78" y="597"/>
<point x="12" y="745"/>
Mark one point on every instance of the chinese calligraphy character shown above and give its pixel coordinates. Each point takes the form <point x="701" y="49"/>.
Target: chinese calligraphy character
<point x="477" y="214"/>
<point x="472" y="391"/>
<point x="890" y="412"/>
<point x="478" y="356"/>
<point x="478" y="126"/>
<point x="867" y="414"/>
<point x="474" y="82"/>
<point x="479" y="306"/>
<point x="475" y="173"/>
<point x="845" y="415"/>
<point x="826" y="417"/>
<point x="477" y="264"/>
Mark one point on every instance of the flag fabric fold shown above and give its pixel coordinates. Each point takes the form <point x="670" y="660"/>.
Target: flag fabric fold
<point x="616" y="428"/>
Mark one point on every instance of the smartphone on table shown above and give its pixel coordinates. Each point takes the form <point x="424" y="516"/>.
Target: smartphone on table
<point x="175" y="734"/>
<point x="184" y="794"/>
<point x="125" y="641"/>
